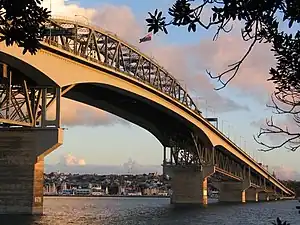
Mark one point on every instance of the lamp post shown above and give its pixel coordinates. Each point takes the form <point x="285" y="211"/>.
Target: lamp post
<point x="50" y="18"/>
<point x="211" y="110"/>
<point x="229" y="131"/>
<point x="77" y="15"/>
<point x="203" y="99"/>
<point x="76" y="31"/>
<point x="240" y="143"/>
<point x="222" y="126"/>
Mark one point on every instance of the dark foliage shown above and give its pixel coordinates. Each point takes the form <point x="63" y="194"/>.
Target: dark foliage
<point x="22" y="23"/>
<point x="284" y="102"/>
<point x="279" y="222"/>
<point x="261" y="22"/>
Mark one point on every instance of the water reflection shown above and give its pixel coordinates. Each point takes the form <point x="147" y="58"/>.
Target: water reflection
<point x="19" y="220"/>
<point x="134" y="211"/>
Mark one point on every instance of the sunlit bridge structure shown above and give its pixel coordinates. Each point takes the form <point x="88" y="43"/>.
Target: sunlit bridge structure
<point x="92" y="66"/>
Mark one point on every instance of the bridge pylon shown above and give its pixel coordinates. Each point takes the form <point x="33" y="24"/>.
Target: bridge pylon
<point x="189" y="169"/>
<point x="27" y="135"/>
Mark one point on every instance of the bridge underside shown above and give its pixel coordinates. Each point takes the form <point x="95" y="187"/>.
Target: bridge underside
<point x="102" y="71"/>
<point x="162" y="123"/>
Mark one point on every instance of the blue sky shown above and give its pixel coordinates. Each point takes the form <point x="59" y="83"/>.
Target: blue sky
<point x="114" y="144"/>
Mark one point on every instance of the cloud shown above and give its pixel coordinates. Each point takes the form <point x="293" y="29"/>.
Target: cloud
<point x="119" y="20"/>
<point x="62" y="8"/>
<point x="78" y="114"/>
<point x="70" y="160"/>
<point x="228" y="49"/>
<point x="178" y="61"/>
<point x="286" y="173"/>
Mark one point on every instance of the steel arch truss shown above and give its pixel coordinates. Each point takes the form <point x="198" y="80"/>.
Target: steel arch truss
<point x="107" y="49"/>
<point x="224" y="163"/>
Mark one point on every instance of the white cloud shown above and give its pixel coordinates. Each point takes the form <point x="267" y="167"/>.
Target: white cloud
<point x="70" y="160"/>
<point x="63" y="9"/>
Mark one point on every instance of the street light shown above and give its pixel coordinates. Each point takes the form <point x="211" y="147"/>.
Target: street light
<point x="76" y="30"/>
<point x="240" y="144"/>
<point x="201" y="98"/>
<point x="50" y="18"/>
<point x="211" y="110"/>
<point x="229" y="131"/>
<point x="76" y="15"/>
<point x="222" y="125"/>
<point x="233" y="134"/>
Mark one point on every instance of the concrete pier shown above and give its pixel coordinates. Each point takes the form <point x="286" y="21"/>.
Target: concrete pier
<point x="189" y="185"/>
<point x="22" y="152"/>
<point x="251" y="195"/>
<point x="232" y="192"/>
<point x="263" y="196"/>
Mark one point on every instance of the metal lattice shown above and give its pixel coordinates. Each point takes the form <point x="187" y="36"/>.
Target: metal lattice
<point x="23" y="103"/>
<point x="107" y="49"/>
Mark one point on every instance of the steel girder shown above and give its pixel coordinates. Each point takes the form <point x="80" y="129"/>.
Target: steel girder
<point x="107" y="49"/>
<point x="24" y="103"/>
<point x="192" y="151"/>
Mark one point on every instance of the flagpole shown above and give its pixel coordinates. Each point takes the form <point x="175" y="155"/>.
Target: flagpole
<point x="50" y="18"/>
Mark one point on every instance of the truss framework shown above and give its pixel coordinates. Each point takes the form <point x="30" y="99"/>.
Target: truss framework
<point x="107" y="49"/>
<point x="24" y="103"/>
<point x="187" y="153"/>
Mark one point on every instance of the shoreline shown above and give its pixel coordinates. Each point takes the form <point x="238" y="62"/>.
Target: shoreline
<point x="105" y="196"/>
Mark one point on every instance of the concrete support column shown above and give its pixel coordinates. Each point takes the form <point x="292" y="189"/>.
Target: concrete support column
<point x="272" y="197"/>
<point x="189" y="185"/>
<point x="232" y="192"/>
<point x="22" y="152"/>
<point x="263" y="196"/>
<point x="251" y="195"/>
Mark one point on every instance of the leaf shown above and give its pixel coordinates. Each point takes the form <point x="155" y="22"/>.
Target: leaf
<point x="194" y="27"/>
<point x="150" y="14"/>
<point x="291" y="23"/>
<point x="165" y="30"/>
<point x="159" y="15"/>
<point x="189" y="27"/>
<point x="214" y="16"/>
<point x="149" y="20"/>
<point x="150" y="29"/>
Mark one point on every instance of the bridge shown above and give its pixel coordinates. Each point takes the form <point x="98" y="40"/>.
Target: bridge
<point x="92" y="66"/>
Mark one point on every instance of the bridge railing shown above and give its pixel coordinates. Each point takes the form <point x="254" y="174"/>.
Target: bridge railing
<point x="87" y="23"/>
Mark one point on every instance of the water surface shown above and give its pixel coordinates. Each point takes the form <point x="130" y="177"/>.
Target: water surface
<point x="146" y="211"/>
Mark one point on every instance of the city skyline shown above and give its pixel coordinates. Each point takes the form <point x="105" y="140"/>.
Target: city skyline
<point x="112" y="140"/>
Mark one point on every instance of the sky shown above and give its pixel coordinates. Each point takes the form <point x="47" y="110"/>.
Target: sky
<point x="98" y="138"/>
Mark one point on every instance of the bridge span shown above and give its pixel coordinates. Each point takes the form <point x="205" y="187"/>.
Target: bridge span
<point x="92" y="66"/>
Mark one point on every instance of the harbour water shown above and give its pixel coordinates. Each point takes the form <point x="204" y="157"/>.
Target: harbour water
<point x="153" y="211"/>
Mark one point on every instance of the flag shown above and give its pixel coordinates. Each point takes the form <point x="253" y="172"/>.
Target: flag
<point x="148" y="37"/>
